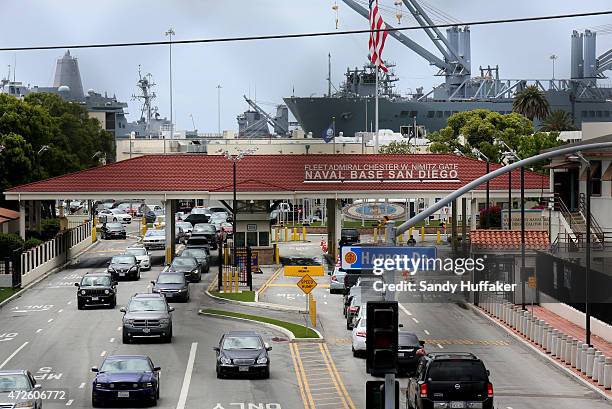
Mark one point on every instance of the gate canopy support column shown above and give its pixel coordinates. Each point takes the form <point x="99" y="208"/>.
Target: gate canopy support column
<point x="38" y="215"/>
<point x="170" y="206"/>
<point x="333" y="226"/>
<point x="22" y="219"/>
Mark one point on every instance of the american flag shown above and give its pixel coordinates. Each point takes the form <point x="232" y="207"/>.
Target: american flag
<point x="377" y="38"/>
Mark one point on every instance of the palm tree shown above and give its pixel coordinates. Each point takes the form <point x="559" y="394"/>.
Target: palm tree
<point x="558" y="121"/>
<point x="531" y="102"/>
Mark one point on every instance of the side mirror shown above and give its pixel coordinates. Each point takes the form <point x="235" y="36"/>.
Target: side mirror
<point x="94" y="369"/>
<point x="137" y="261"/>
<point x="153" y="282"/>
<point x="170" y="309"/>
<point x="421" y="343"/>
<point x="37" y="387"/>
<point x="157" y="368"/>
<point x="401" y="325"/>
<point x="76" y="284"/>
<point x="122" y="309"/>
<point x="108" y="263"/>
<point x="268" y="348"/>
<point x="488" y="372"/>
<point x="115" y="282"/>
<point x="216" y="349"/>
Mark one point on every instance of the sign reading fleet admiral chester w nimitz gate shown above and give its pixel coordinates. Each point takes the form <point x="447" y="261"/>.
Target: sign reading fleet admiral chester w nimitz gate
<point x="392" y="172"/>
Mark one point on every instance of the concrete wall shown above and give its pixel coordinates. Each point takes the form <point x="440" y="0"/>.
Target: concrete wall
<point x="592" y="130"/>
<point x="571" y="314"/>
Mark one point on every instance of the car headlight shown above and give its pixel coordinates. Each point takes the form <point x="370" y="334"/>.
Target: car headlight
<point x="133" y="268"/>
<point x="164" y="321"/>
<point x="225" y="360"/>
<point x="262" y="360"/>
<point x="147" y="385"/>
<point x="82" y="292"/>
<point x="129" y="322"/>
<point x="155" y="290"/>
<point x="106" y="292"/>
<point x="26" y="404"/>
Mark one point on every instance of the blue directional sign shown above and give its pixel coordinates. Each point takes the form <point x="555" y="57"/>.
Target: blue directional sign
<point x="363" y="257"/>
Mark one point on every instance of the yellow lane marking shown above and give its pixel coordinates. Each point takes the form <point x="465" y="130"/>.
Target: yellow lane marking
<point x="335" y="371"/>
<point x="273" y="277"/>
<point x="299" y="378"/>
<point x="213" y="284"/>
<point x="334" y="380"/>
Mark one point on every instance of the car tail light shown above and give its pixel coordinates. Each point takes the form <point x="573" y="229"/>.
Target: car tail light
<point x="361" y="334"/>
<point x="334" y="278"/>
<point x="423" y="390"/>
<point x="490" y="390"/>
<point x="420" y="352"/>
<point x="353" y="309"/>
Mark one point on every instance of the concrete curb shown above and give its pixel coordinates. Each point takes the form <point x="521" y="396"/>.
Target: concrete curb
<point x="543" y="354"/>
<point x="257" y="304"/>
<point x="47" y="274"/>
<point x="285" y="331"/>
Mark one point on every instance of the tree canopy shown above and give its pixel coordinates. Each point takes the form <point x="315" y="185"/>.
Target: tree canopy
<point x="558" y="121"/>
<point x="531" y="102"/>
<point x="396" y="147"/>
<point x="26" y="125"/>
<point x="481" y="128"/>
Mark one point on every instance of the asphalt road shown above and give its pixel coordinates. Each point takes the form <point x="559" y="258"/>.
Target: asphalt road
<point x="521" y="378"/>
<point x="44" y="332"/>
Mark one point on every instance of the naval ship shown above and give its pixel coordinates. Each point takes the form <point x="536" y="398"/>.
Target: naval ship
<point x="351" y="108"/>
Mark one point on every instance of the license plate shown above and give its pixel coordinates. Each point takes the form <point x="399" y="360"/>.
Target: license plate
<point x="146" y="330"/>
<point x="401" y="354"/>
<point x="243" y="368"/>
<point x="122" y="274"/>
<point x="123" y="394"/>
<point x="457" y="405"/>
<point x="95" y="298"/>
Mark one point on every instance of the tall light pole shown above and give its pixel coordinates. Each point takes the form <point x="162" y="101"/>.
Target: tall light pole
<point x="484" y="157"/>
<point x="553" y="58"/>
<point x="219" y="109"/>
<point x="510" y="156"/>
<point x="169" y="34"/>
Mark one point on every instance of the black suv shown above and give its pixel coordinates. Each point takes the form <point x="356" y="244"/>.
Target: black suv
<point x="450" y="380"/>
<point x="349" y="236"/>
<point x="96" y="289"/>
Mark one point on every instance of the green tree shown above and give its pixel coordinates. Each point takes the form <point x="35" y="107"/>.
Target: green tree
<point x="531" y="102"/>
<point x="558" y="121"/>
<point x="531" y="145"/>
<point x="396" y="147"/>
<point x="15" y="160"/>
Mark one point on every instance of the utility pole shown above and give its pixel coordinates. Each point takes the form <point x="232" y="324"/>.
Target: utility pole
<point x="169" y="34"/>
<point x="219" y="109"/>
<point x="329" y="75"/>
<point x="553" y="58"/>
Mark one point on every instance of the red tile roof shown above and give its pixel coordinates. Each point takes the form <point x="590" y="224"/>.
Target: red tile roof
<point x="268" y="173"/>
<point x="8" y="213"/>
<point x="508" y="239"/>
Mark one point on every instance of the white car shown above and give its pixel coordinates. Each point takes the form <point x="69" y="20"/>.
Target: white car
<point x="142" y="255"/>
<point x="115" y="215"/>
<point x="154" y="239"/>
<point x="359" y="333"/>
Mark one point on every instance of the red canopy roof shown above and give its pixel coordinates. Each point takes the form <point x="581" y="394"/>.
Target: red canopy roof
<point x="281" y="173"/>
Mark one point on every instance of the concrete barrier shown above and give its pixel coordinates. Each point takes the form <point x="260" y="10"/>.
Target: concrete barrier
<point x="595" y="375"/>
<point x="608" y="373"/>
<point x="553" y="342"/>
<point x="600" y="372"/>
<point x="563" y="347"/>
<point x="545" y="331"/>
<point x="589" y="361"/>
<point x="573" y="353"/>
<point x="583" y="358"/>
<point x="568" y="350"/>
<point x="549" y="341"/>
<point x="579" y="347"/>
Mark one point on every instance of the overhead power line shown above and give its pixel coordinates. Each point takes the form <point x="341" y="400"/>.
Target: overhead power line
<point x="304" y="35"/>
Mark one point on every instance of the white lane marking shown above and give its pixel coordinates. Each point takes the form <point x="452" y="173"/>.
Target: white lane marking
<point x="38" y="330"/>
<point x="187" y="378"/>
<point x="60" y="310"/>
<point x="426" y="332"/>
<point x="69" y="302"/>
<point x="103" y="353"/>
<point x="6" y="361"/>
<point x="404" y="309"/>
<point x="50" y="320"/>
<point x="69" y="402"/>
<point x="415" y="320"/>
<point x="81" y="386"/>
<point x="111" y="340"/>
<point x="118" y="328"/>
<point x="440" y="346"/>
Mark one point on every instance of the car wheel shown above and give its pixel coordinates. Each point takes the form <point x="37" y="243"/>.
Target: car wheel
<point x="408" y="404"/>
<point x="114" y="219"/>
<point x="95" y="402"/>
<point x="266" y="374"/>
<point x="80" y="305"/>
<point x="199" y="278"/>
<point x="126" y="339"/>
<point x="113" y="303"/>
<point x="220" y="374"/>
<point x="153" y="401"/>
<point x="348" y="325"/>
<point x="157" y="392"/>
<point x="354" y="352"/>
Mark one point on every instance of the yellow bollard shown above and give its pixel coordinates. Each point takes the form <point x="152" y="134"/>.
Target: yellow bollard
<point x="438" y="240"/>
<point x="94" y="232"/>
<point x="423" y="233"/>
<point x="225" y="255"/>
<point x="312" y="310"/>
<point x="375" y="235"/>
<point x="276" y="255"/>
<point x="286" y="234"/>
<point x="304" y="233"/>
<point x="277" y="229"/>
<point x="400" y="239"/>
<point x="409" y="233"/>
<point x="224" y="280"/>
<point x="236" y="277"/>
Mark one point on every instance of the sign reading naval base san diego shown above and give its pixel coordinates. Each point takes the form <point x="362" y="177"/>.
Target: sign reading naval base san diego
<point x="393" y="172"/>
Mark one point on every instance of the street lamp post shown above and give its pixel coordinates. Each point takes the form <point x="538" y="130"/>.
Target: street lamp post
<point x="553" y="58"/>
<point x="523" y="289"/>
<point x="169" y="34"/>
<point x="488" y="200"/>
<point x="219" y="109"/>
<point x="510" y="155"/>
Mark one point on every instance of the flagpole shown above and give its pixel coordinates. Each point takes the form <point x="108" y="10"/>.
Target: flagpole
<point x="334" y="128"/>
<point x="376" y="113"/>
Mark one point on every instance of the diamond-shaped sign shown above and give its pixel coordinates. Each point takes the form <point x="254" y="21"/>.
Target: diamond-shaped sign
<point x="307" y="284"/>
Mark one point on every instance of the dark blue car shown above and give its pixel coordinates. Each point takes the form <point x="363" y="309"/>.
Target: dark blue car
<point x="131" y="378"/>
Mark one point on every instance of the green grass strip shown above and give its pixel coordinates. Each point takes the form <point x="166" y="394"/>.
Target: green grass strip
<point x="246" y="296"/>
<point x="7" y="292"/>
<point x="299" y="331"/>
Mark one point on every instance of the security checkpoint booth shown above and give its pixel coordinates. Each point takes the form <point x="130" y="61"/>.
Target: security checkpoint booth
<point x="263" y="181"/>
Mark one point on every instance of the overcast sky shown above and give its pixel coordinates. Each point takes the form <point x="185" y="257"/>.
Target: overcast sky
<point x="273" y="67"/>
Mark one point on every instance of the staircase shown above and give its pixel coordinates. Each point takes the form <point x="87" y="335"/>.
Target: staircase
<point x="575" y="224"/>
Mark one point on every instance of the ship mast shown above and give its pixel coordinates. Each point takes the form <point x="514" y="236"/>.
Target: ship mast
<point x="145" y="85"/>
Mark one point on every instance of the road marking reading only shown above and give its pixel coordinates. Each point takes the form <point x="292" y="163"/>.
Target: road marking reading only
<point x="60" y="310"/>
<point x="81" y="386"/>
<point x="6" y="361"/>
<point x="187" y="378"/>
<point x="118" y="328"/>
<point x="111" y="340"/>
<point x="50" y="320"/>
<point x="103" y="353"/>
<point x="38" y="330"/>
<point x="404" y="309"/>
<point x="415" y="320"/>
<point x="440" y="346"/>
<point x="69" y="402"/>
<point x="426" y="332"/>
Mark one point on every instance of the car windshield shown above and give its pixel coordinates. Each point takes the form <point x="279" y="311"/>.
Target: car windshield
<point x="155" y="233"/>
<point x="184" y="262"/>
<point x="151" y="304"/>
<point x="123" y="260"/>
<point x="460" y="370"/>
<point x="171" y="279"/>
<point x="407" y="339"/>
<point x="113" y="226"/>
<point x="185" y="225"/>
<point x="137" y="252"/>
<point x="204" y="227"/>
<point x="126" y="365"/>
<point x="15" y="382"/>
<point x="91" y="281"/>
<point x="117" y="211"/>
<point x="196" y="253"/>
<point x="241" y="343"/>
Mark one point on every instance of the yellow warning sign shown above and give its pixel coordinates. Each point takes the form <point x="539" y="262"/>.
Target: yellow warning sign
<point x="300" y="271"/>
<point x="307" y="284"/>
<point x="531" y="282"/>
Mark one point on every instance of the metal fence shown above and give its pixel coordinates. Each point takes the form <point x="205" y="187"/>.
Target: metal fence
<point x="245" y="263"/>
